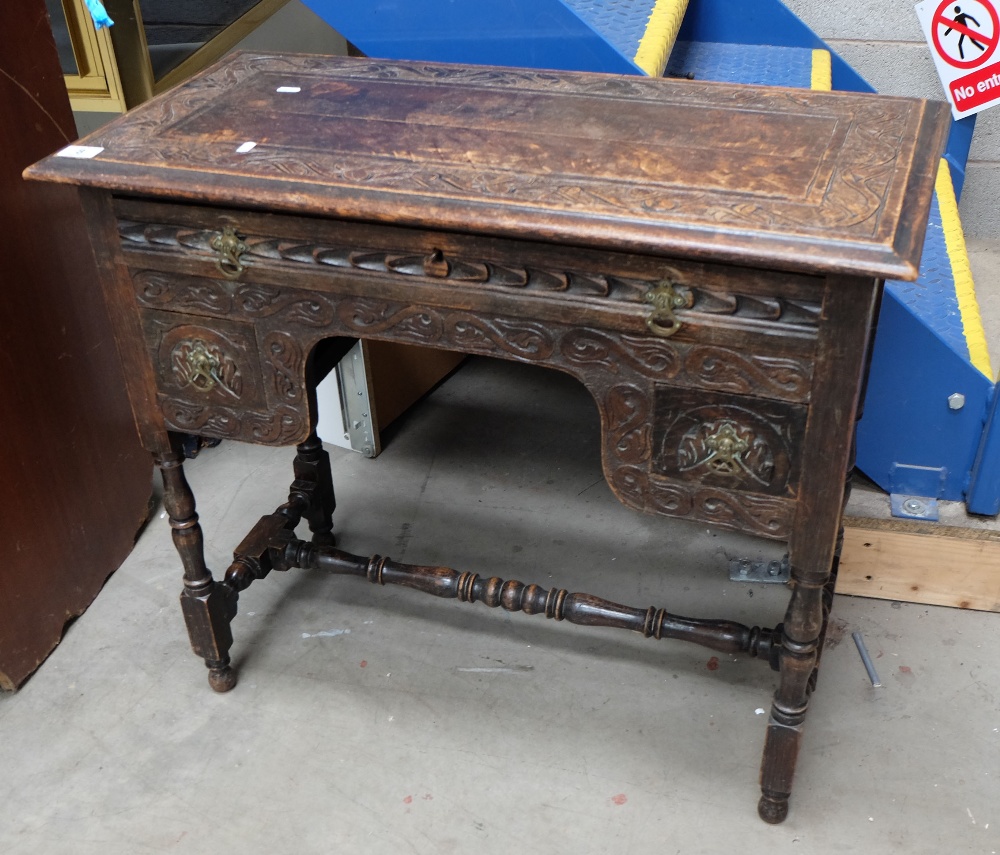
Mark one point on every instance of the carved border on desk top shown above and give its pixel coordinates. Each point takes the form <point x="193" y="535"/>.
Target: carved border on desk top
<point x="202" y="90"/>
<point x="851" y="209"/>
<point x="159" y="290"/>
<point x="854" y="192"/>
<point x="853" y="196"/>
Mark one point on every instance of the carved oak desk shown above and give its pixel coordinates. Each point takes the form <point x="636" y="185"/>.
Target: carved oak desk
<point x="705" y="258"/>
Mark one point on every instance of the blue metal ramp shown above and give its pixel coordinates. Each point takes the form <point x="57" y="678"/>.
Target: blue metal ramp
<point x="765" y="65"/>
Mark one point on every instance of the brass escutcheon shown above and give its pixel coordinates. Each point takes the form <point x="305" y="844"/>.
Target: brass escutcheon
<point x="664" y="298"/>
<point x="437" y="265"/>
<point x="230" y="248"/>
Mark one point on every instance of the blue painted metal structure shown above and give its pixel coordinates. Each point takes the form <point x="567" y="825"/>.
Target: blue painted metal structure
<point x="621" y="22"/>
<point x="983" y="496"/>
<point x="529" y="33"/>
<point x="765" y="65"/>
<point x="919" y="358"/>
<point x="907" y="419"/>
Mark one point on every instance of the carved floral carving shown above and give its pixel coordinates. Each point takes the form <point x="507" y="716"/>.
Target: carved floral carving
<point x="630" y="450"/>
<point x="283" y="355"/>
<point x="703" y="366"/>
<point x="728" y="442"/>
<point x="281" y="426"/>
<point x="439" y="265"/>
<point x="767" y="516"/>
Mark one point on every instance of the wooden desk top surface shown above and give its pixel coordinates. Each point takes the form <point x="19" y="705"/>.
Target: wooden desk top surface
<point x="785" y="178"/>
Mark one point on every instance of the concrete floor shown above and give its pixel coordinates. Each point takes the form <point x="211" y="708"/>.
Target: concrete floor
<point x="385" y="721"/>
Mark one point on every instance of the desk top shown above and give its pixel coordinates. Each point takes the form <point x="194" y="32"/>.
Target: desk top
<point x="809" y="181"/>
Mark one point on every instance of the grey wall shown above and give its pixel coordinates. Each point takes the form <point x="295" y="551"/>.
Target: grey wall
<point x="884" y="43"/>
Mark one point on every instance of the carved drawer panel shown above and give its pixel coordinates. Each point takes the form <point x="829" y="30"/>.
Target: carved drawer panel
<point x="217" y="364"/>
<point x="727" y="441"/>
<point x="216" y="255"/>
<point x="209" y="379"/>
<point x="728" y="460"/>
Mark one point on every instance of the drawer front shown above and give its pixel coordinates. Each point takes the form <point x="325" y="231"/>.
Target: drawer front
<point x="215" y="363"/>
<point x="727" y="441"/>
<point x="217" y="251"/>
<point x="219" y="378"/>
<point x="725" y="459"/>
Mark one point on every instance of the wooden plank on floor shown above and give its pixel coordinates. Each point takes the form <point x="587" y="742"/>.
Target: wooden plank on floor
<point x="947" y="566"/>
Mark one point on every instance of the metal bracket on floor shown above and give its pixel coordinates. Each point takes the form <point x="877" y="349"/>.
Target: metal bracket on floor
<point x="355" y="401"/>
<point x="913" y="507"/>
<point x="915" y="490"/>
<point x="760" y="571"/>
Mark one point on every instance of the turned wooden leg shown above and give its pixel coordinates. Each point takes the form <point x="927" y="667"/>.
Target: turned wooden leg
<point x="313" y="485"/>
<point x="799" y="649"/>
<point x="208" y="606"/>
<point x="804" y="632"/>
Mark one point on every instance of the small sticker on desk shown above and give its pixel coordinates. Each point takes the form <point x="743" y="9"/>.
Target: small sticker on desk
<point x="289" y="89"/>
<point x="247" y="146"/>
<point x="82" y="151"/>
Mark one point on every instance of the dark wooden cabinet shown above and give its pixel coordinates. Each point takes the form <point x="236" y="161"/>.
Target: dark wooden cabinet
<point x="706" y="259"/>
<point x="76" y="482"/>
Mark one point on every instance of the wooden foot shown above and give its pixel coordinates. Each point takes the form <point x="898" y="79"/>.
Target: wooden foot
<point x="221" y="678"/>
<point x="773" y="809"/>
<point x="800" y="641"/>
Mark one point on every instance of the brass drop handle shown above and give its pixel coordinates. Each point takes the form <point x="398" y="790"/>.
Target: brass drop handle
<point x="205" y="367"/>
<point x="665" y="298"/>
<point x="230" y="247"/>
<point x="202" y="367"/>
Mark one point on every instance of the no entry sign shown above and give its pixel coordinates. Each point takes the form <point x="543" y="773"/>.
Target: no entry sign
<point x="963" y="36"/>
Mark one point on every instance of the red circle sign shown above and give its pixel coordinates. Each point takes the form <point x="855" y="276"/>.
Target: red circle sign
<point x="963" y="27"/>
